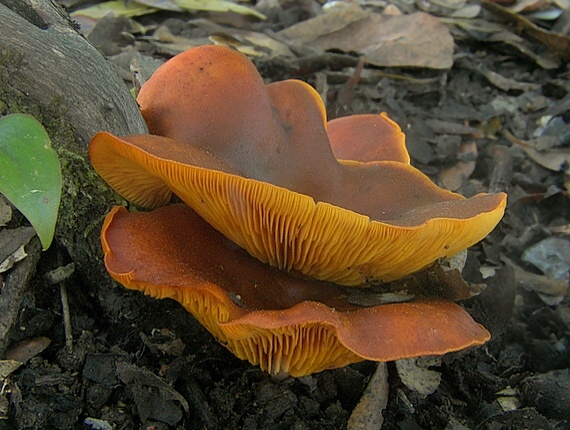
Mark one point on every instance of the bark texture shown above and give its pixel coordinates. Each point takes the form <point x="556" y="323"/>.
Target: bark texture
<point x="49" y="70"/>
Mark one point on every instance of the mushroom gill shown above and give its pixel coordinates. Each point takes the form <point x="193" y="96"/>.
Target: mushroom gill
<point x="255" y="161"/>
<point x="284" y="324"/>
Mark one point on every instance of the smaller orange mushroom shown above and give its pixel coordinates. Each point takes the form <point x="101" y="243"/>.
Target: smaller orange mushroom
<point x="286" y="325"/>
<point x="259" y="163"/>
<point x="367" y="138"/>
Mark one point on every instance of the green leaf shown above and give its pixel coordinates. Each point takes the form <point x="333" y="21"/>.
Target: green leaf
<point x="30" y="175"/>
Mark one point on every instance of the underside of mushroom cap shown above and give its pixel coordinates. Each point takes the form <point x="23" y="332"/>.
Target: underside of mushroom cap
<point x="256" y="163"/>
<point x="291" y="231"/>
<point x="286" y="325"/>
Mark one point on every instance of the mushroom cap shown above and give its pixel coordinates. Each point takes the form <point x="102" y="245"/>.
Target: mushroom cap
<point x="366" y="138"/>
<point x="286" y="325"/>
<point x="256" y="162"/>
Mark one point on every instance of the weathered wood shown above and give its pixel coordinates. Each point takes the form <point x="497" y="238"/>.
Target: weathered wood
<point x="51" y="71"/>
<point x="43" y="57"/>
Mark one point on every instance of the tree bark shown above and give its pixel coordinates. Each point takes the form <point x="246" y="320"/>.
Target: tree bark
<point x="49" y="70"/>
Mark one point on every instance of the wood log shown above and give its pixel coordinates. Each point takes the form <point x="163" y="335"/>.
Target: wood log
<point x="49" y="70"/>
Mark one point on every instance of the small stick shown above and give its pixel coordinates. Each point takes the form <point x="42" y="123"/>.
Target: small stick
<point x="59" y="276"/>
<point x="66" y="317"/>
<point x="346" y="92"/>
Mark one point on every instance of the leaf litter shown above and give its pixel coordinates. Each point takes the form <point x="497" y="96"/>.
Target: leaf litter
<point x="485" y="107"/>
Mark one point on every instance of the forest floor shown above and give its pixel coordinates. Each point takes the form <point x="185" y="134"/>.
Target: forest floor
<point x="484" y="99"/>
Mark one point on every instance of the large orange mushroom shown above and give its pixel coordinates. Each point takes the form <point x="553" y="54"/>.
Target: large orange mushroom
<point x="284" y="324"/>
<point x="256" y="162"/>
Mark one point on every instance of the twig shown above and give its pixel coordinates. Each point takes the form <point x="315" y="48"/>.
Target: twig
<point x="59" y="276"/>
<point x="66" y="317"/>
<point x="346" y="92"/>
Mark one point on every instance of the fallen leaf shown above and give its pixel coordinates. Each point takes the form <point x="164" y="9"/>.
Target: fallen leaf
<point x="523" y="5"/>
<point x="264" y="45"/>
<point x="166" y="42"/>
<point x="217" y="6"/>
<point x="12" y="259"/>
<point x="563" y="229"/>
<point x="161" y="5"/>
<point x="553" y="132"/>
<point x="446" y="127"/>
<point x="27" y="349"/>
<point x="468" y="11"/>
<point x="551" y="291"/>
<point x="416" y="40"/>
<point x="450" y="4"/>
<point x="415" y="374"/>
<point x="228" y="40"/>
<point x="552" y="256"/>
<point x="12" y="243"/>
<point x="559" y="43"/>
<point x="98" y="424"/>
<point x="498" y="80"/>
<point x="484" y="31"/>
<point x="557" y="160"/>
<point x="526" y="49"/>
<point x="7" y="367"/>
<point x="547" y="15"/>
<point x="508" y="399"/>
<point x="130" y="374"/>
<point x="506" y="84"/>
<point x="368" y="412"/>
<point x="115" y="7"/>
<point x="442" y="279"/>
<point x="337" y="19"/>
<point x="453" y="177"/>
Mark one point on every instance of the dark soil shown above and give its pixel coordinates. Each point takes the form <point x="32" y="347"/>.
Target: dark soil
<point x="155" y="367"/>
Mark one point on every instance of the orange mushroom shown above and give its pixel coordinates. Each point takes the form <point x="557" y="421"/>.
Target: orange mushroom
<point x="365" y="138"/>
<point x="286" y="325"/>
<point x="256" y="162"/>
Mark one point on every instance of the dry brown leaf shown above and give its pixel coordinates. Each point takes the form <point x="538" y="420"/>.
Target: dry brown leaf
<point x="506" y="84"/>
<point x="447" y="127"/>
<point x="310" y="30"/>
<point x="556" y="159"/>
<point x="525" y="48"/>
<point x="416" y="375"/>
<point x="468" y="11"/>
<point x="452" y="178"/>
<point x="559" y="43"/>
<point x="27" y="349"/>
<point x="7" y="367"/>
<point x="201" y="5"/>
<point x="368" y="412"/>
<point x="162" y="5"/>
<point x="251" y="43"/>
<point x="527" y="5"/>
<point x="416" y="40"/>
<point x="484" y="31"/>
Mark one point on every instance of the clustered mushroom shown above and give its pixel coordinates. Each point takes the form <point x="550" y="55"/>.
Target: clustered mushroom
<point x="283" y="213"/>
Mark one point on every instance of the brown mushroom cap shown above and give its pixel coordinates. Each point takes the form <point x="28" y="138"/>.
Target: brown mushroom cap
<point x="285" y="324"/>
<point x="366" y="138"/>
<point x="255" y="161"/>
